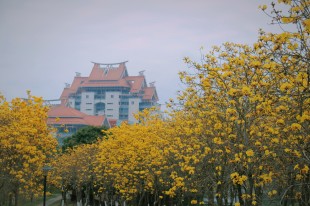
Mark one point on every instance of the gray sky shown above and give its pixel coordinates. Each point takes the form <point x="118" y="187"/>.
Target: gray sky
<point x="43" y="43"/>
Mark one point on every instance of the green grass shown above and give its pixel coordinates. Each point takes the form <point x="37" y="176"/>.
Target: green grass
<point x="58" y="203"/>
<point x="36" y="201"/>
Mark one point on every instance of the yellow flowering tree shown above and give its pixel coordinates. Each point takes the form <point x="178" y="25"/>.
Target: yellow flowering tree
<point x="74" y="170"/>
<point x="150" y="163"/>
<point x="129" y="162"/>
<point x="26" y="145"/>
<point x="253" y="102"/>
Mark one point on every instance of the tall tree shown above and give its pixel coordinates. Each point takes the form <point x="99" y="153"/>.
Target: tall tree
<point x="26" y="145"/>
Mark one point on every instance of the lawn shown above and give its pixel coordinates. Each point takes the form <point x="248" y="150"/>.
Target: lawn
<point x="37" y="201"/>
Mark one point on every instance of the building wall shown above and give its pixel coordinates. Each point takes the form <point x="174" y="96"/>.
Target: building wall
<point x="112" y="104"/>
<point x="100" y="106"/>
<point x="71" y="102"/>
<point x="87" y="103"/>
<point x="133" y="108"/>
<point x="123" y="109"/>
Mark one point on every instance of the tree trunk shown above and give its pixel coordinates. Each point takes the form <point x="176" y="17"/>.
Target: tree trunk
<point x="10" y="199"/>
<point x="91" y="195"/>
<point x="63" y="199"/>
<point x="79" y="201"/>
<point x="240" y="195"/>
<point x="16" y="196"/>
<point x="141" y="199"/>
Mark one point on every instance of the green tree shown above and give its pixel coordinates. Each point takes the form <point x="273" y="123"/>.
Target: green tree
<point x="85" y="135"/>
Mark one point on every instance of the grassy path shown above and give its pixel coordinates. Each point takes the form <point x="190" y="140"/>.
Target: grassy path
<point x="51" y="201"/>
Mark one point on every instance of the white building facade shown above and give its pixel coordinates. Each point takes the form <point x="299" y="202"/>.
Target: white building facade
<point x="110" y="91"/>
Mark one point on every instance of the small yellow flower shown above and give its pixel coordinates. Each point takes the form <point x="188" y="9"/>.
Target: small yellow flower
<point x="263" y="7"/>
<point x="246" y="90"/>
<point x="249" y="153"/>
<point x="295" y="126"/>
<point x="305" y="170"/>
<point x="287" y="20"/>
<point x="194" y="202"/>
<point x="285" y="86"/>
<point x="296" y="167"/>
<point x="298" y="195"/>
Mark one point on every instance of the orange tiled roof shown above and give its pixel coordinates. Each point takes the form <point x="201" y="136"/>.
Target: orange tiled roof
<point x="63" y="111"/>
<point x="94" y="120"/>
<point x="66" y="115"/>
<point x="101" y="74"/>
<point x="149" y="92"/>
<point x="77" y="81"/>
<point x="136" y="83"/>
<point x="65" y="93"/>
<point x="119" y="83"/>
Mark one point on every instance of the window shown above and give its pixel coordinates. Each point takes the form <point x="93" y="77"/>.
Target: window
<point x="110" y="103"/>
<point x="132" y="102"/>
<point x="89" y="103"/>
<point x="99" y="107"/>
<point x="110" y="109"/>
<point x="123" y="117"/>
<point x="87" y="96"/>
<point x="112" y="96"/>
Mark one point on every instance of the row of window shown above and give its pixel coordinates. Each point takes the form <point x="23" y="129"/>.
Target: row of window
<point x="100" y="96"/>
<point x="110" y="103"/>
<point x="108" y="89"/>
<point x="89" y="103"/>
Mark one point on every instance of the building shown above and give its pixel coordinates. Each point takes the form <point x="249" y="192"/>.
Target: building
<point x="68" y="121"/>
<point x="110" y="91"/>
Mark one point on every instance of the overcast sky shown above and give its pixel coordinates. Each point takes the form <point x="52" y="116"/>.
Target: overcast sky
<point x="44" y="42"/>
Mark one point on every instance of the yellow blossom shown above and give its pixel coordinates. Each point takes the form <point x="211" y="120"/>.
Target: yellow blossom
<point x="250" y="153"/>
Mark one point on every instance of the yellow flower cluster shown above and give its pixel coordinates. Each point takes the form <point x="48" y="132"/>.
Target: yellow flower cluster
<point x="238" y="179"/>
<point x="26" y="145"/>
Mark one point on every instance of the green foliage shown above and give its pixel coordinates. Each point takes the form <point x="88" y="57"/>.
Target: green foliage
<point x="85" y="135"/>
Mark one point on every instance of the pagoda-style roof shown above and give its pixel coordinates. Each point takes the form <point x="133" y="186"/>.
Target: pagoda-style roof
<point x="102" y="72"/>
<point x="150" y="93"/>
<point x="137" y="83"/>
<point x="110" y="75"/>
